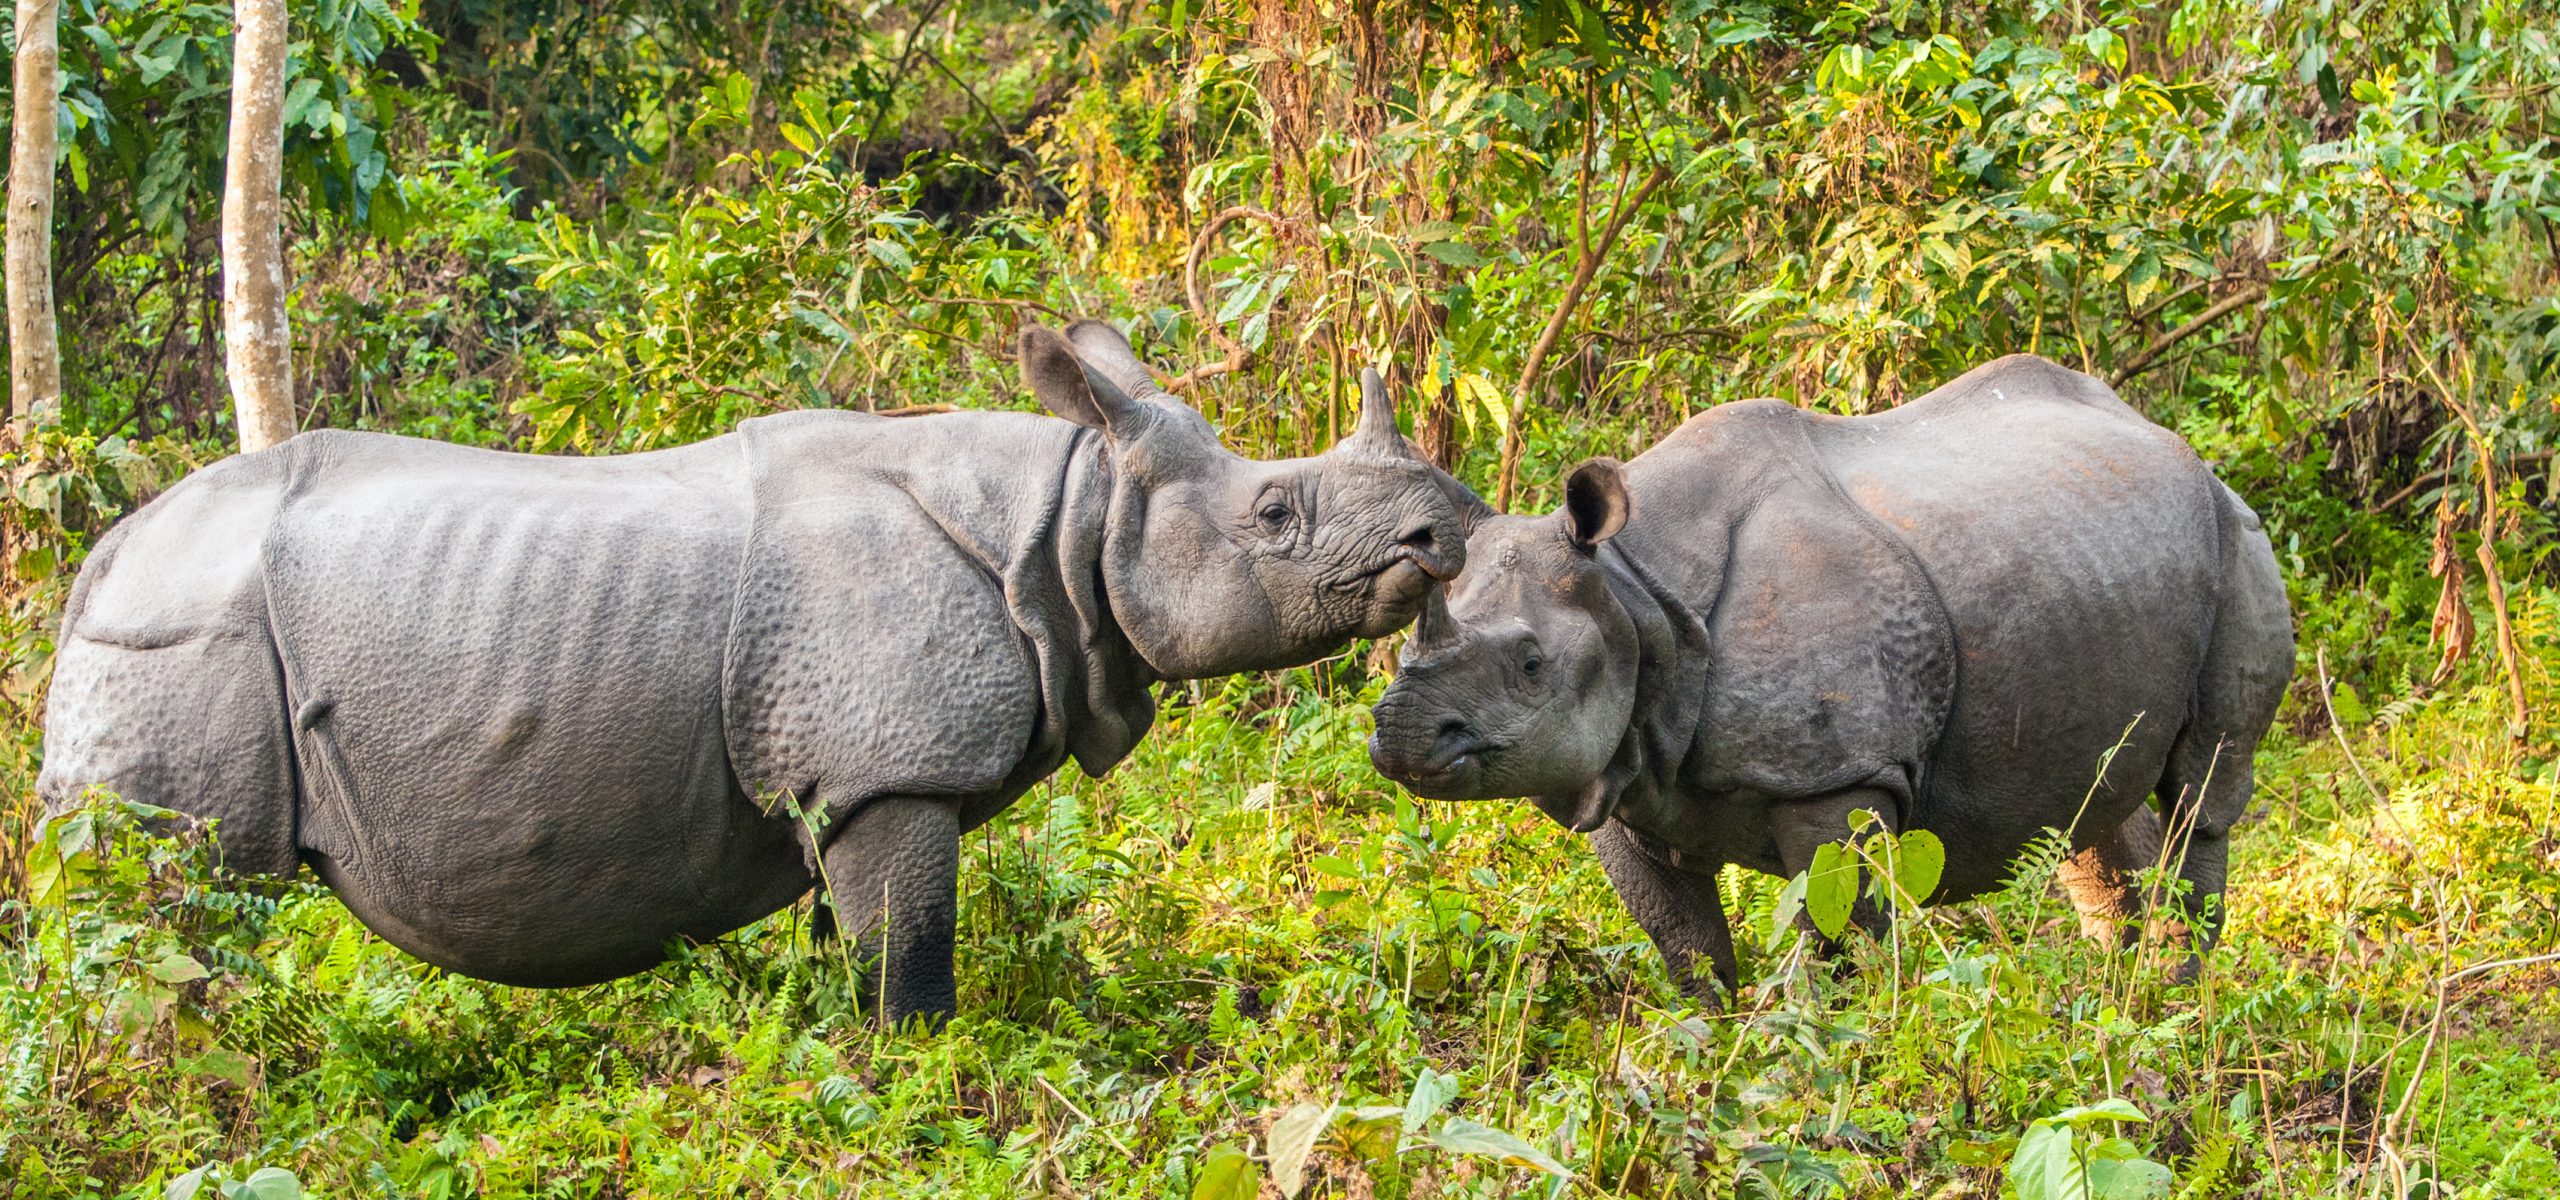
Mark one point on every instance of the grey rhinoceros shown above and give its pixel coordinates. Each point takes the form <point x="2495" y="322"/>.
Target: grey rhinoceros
<point x="533" y="718"/>
<point x="1947" y="614"/>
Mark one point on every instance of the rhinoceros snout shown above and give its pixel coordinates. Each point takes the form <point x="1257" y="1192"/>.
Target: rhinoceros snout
<point x="1439" y="766"/>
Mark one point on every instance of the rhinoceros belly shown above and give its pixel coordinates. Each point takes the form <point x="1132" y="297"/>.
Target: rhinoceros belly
<point x="503" y="676"/>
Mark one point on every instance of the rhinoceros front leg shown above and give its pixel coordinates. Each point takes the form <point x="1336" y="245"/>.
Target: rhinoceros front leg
<point x="1799" y="826"/>
<point x="893" y="871"/>
<point x="1681" y="911"/>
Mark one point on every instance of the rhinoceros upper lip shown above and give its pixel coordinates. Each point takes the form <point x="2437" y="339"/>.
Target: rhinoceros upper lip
<point x="1426" y="563"/>
<point x="1446" y="757"/>
<point x="1430" y="568"/>
<point x="1430" y="565"/>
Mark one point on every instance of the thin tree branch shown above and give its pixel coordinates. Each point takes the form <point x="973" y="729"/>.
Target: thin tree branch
<point x="2446" y="474"/>
<point x="1592" y="254"/>
<point x="2149" y="356"/>
<point x="2156" y="307"/>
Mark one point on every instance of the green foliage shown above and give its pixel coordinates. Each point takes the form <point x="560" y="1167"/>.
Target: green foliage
<point x="2075" y="1155"/>
<point x="1166" y="992"/>
<point x="2315" y="240"/>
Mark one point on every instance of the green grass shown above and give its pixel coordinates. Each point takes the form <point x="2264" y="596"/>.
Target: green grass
<point x="1243" y="920"/>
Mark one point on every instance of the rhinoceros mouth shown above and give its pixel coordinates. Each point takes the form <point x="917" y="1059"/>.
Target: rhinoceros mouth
<point x="1452" y="771"/>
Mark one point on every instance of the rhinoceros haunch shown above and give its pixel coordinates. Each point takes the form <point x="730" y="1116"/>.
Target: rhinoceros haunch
<point x="534" y="718"/>
<point x="1946" y="614"/>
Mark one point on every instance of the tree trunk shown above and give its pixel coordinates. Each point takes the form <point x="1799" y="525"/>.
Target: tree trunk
<point x="258" y="344"/>
<point x="35" y="353"/>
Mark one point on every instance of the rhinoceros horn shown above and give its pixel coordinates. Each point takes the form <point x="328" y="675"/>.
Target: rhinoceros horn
<point x="1435" y="630"/>
<point x="1377" y="428"/>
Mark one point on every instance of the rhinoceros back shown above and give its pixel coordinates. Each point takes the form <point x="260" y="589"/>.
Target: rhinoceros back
<point x="2077" y="549"/>
<point x="165" y="687"/>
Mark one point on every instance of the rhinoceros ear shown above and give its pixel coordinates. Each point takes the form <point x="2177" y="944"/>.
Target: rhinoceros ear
<point x="1067" y="386"/>
<point x="1595" y="502"/>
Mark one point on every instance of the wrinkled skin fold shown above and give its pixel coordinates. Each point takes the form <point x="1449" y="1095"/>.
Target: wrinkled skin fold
<point x="536" y="718"/>
<point x="1948" y="614"/>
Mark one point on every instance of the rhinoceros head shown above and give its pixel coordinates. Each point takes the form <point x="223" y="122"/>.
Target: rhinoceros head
<point x="1522" y="681"/>
<point x="1216" y="563"/>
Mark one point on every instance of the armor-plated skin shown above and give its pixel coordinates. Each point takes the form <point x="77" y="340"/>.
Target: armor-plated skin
<point x="534" y="718"/>
<point x="1948" y="614"/>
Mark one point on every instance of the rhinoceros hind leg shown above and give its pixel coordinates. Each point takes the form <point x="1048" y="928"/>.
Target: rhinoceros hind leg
<point x="2103" y="878"/>
<point x="2207" y="788"/>
<point x="1680" y="910"/>
<point x="893" y="873"/>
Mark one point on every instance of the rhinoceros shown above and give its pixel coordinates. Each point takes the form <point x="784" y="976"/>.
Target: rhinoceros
<point x="536" y="718"/>
<point x="1947" y="614"/>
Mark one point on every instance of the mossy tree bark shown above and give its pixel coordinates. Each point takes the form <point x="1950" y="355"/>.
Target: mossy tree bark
<point x="257" y="340"/>
<point x="35" y="352"/>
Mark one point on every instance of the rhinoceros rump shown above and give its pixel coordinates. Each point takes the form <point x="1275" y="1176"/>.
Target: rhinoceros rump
<point x="1947" y="614"/>
<point x="534" y="717"/>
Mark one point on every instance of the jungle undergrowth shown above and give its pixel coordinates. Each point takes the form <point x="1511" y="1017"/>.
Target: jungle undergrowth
<point x="1242" y="957"/>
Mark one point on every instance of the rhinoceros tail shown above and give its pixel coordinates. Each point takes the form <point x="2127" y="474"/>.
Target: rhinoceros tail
<point x="165" y="683"/>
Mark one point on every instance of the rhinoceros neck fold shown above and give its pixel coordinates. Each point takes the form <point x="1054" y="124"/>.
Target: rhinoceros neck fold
<point x="1673" y="666"/>
<point x="920" y="609"/>
<point x="1037" y="517"/>
<point x="1117" y="701"/>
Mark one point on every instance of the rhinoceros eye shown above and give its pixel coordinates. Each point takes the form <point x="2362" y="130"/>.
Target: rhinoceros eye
<point x="1274" y="515"/>
<point x="1530" y="668"/>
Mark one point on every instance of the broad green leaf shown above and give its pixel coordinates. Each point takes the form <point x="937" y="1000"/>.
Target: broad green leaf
<point x="1432" y="1091"/>
<point x="1782" y="917"/>
<point x="1227" y="1173"/>
<point x="892" y="255"/>
<point x="2117" y="1171"/>
<point x="1456" y="254"/>
<point x="2044" y="1168"/>
<point x="1920" y="859"/>
<point x="177" y="967"/>
<point x="1831" y="888"/>
<point x="2110" y="1109"/>
<point x="186" y="1186"/>
<point x="1293" y="1137"/>
<point x="271" y="1183"/>
<point x="229" y="1066"/>
<point x="1240" y="301"/>
<point x="1462" y="1136"/>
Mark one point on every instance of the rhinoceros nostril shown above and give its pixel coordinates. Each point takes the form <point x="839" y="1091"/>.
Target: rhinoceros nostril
<point x="1419" y="538"/>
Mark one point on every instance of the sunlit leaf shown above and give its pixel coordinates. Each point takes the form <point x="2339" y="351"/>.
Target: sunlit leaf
<point x="1459" y="1135"/>
<point x="1226" y="1173"/>
<point x="1293" y="1138"/>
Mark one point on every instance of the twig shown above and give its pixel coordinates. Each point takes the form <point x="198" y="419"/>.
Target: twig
<point x="1098" y="1127"/>
<point x="2499" y="965"/>
<point x="2446" y="474"/>
<point x="998" y="302"/>
<point x="2156" y="307"/>
<point x="1592" y="253"/>
<point x="1239" y="356"/>
<point x="2320" y="657"/>
<point x="2149" y="356"/>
